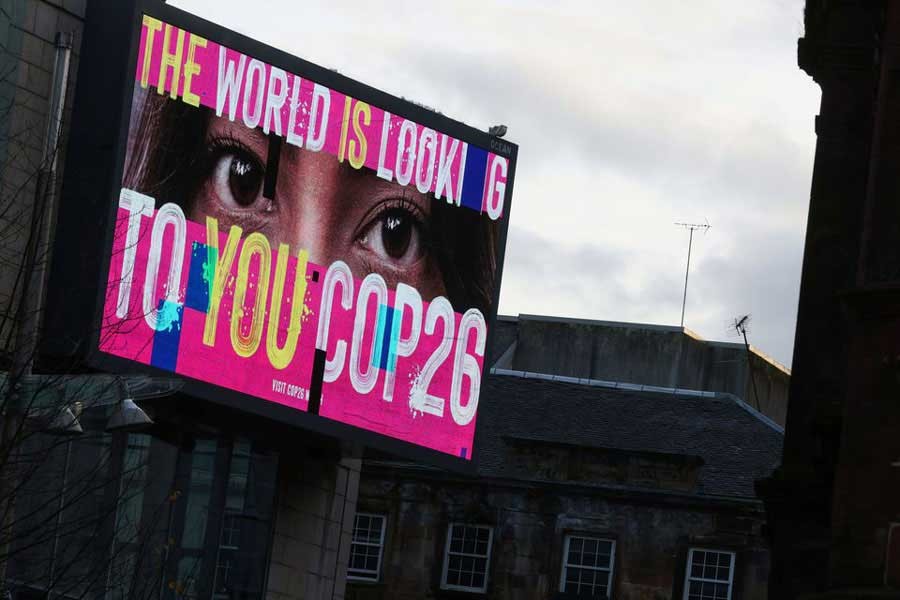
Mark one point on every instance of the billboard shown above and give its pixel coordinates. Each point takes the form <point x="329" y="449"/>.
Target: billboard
<point x="285" y="237"/>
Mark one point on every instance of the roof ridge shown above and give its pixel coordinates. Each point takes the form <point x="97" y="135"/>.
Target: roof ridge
<point x="639" y="387"/>
<point x="616" y="385"/>
<point x="753" y="411"/>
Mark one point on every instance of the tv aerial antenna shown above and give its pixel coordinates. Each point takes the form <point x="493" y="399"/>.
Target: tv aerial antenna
<point x="691" y="227"/>
<point x="740" y="325"/>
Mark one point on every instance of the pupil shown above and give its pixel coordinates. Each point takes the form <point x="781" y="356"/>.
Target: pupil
<point x="396" y="233"/>
<point x="244" y="180"/>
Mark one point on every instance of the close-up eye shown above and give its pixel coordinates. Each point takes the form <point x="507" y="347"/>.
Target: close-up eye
<point x="237" y="178"/>
<point x="395" y="234"/>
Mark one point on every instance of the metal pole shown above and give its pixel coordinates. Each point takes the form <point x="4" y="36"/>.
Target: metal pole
<point x="691" y="226"/>
<point x="750" y="367"/>
<point x="687" y="271"/>
<point x="37" y="252"/>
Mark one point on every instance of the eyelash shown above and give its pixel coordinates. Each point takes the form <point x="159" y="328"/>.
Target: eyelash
<point x="378" y="212"/>
<point x="223" y="145"/>
<point x="420" y="222"/>
<point x="216" y="149"/>
<point x="226" y="143"/>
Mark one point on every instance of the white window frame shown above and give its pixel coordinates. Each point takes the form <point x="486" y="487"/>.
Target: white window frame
<point x="486" y="557"/>
<point x="565" y="561"/>
<point x="690" y="562"/>
<point x="376" y="574"/>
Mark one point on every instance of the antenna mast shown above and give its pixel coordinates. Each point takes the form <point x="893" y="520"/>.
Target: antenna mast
<point x="740" y="325"/>
<point x="690" y="226"/>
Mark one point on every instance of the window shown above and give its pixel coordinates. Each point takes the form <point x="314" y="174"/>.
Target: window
<point x="467" y="557"/>
<point x="587" y="566"/>
<point x="709" y="575"/>
<point x="231" y="532"/>
<point x="366" y="547"/>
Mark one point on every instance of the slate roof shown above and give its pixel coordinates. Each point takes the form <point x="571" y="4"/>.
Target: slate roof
<point x="737" y="444"/>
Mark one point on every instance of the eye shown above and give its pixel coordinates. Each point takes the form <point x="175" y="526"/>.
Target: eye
<point x="237" y="177"/>
<point x="395" y="234"/>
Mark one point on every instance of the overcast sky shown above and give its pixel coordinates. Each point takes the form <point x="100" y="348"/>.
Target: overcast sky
<point x="629" y="116"/>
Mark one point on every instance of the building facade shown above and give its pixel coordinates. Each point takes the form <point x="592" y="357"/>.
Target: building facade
<point x="585" y="488"/>
<point x="833" y="503"/>
<point x="197" y="506"/>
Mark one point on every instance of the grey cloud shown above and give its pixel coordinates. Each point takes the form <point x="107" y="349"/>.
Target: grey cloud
<point x="761" y="278"/>
<point x="750" y="176"/>
<point x="758" y="165"/>
<point x="589" y="280"/>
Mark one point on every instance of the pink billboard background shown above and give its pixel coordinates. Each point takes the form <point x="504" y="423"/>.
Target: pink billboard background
<point x="417" y="411"/>
<point x="204" y="73"/>
<point x="243" y="313"/>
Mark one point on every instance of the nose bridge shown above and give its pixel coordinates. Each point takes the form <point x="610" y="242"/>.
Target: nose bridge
<point x="309" y="191"/>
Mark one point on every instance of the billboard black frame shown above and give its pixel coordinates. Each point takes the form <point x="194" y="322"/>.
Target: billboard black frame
<point x="125" y="44"/>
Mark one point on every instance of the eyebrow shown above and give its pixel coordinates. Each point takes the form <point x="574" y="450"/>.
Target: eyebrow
<point x="253" y="137"/>
<point x="380" y="185"/>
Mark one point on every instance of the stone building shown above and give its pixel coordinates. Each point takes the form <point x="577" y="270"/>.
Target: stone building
<point x="834" y="503"/>
<point x="642" y="354"/>
<point x="583" y="486"/>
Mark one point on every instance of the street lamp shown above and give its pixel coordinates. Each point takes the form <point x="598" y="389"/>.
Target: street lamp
<point x="128" y="416"/>
<point x="65" y="423"/>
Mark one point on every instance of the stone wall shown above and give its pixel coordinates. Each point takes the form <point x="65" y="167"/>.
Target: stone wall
<point x="313" y="526"/>
<point x="654" y="355"/>
<point x="653" y="533"/>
